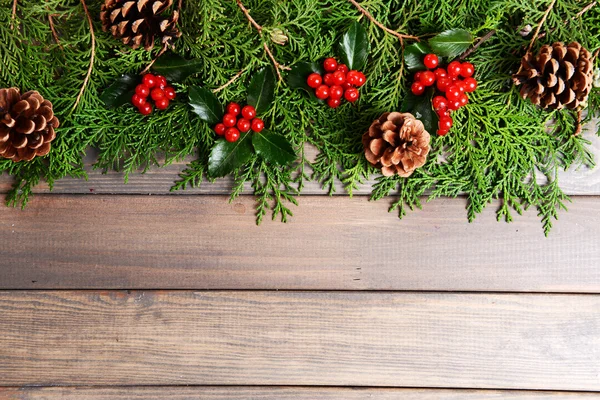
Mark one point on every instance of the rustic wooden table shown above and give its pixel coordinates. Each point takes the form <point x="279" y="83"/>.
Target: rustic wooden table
<point x="118" y="292"/>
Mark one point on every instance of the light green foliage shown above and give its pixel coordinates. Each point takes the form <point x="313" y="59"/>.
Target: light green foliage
<point x="496" y="147"/>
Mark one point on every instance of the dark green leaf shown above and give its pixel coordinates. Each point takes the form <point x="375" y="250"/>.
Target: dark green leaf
<point x="421" y="108"/>
<point x="206" y="105"/>
<point x="273" y="148"/>
<point x="451" y="43"/>
<point x="261" y="91"/>
<point x="354" y="47"/>
<point x="120" y="91"/>
<point x="299" y="73"/>
<point x="413" y="56"/>
<point x="226" y="157"/>
<point x="176" y="68"/>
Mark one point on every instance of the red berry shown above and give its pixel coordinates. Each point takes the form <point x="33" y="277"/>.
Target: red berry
<point x="442" y="132"/>
<point x="162" y="104"/>
<point x="145" y="109"/>
<point x="157" y="94"/>
<point x="431" y="61"/>
<point x="328" y="79"/>
<point x="314" y="80"/>
<point x="454" y="68"/>
<point x="248" y="112"/>
<point x="334" y="103"/>
<point x="453" y="105"/>
<point x="149" y="80"/>
<point x="361" y="79"/>
<point x="427" y="78"/>
<point x="440" y="73"/>
<point x="229" y="120"/>
<point x="439" y="103"/>
<point x="417" y="76"/>
<point x="460" y="85"/>
<point x="233" y="109"/>
<point x="220" y="129"/>
<point x="322" y="92"/>
<point x="137" y="100"/>
<point x="243" y="125"/>
<point x="351" y="95"/>
<point x="161" y="81"/>
<point x="417" y="88"/>
<point x="463" y="100"/>
<point x="467" y="69"/>
<point x="330" y="64"/>
<point x="232" y="134"/>
<point x="339" y="77"/>
<point x="342" y="68"/>
<point x="142" y="90"/>
<point x="347" y="85"/>
<point x="453" y="93"/>
<point x="470" y="84"/>
<point x="443" y="113"/>
<point x="257" y="125"/>
<point x="336" y="92"/>
<point x="352" y="77"/>
<point x="170" y="93"/>
<point x="443" y="84"/>
<point x="445" y="123"/>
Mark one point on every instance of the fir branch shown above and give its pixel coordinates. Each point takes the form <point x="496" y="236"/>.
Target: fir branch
<point x="537" y="30"/>
<point x="92" y="56"/>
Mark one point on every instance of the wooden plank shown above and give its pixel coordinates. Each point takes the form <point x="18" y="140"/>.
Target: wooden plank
<point x="275" y="393"/>
<point x="204" y="242"/>
<point x="584" y="181"/>
<point x="491" y="341"/>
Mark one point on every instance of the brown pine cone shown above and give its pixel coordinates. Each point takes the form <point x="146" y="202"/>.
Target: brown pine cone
<point x="397" y="143"/>
<point x="139" y="22"/>
<point x="560" y="76"/>
<point x="27" y="125"/>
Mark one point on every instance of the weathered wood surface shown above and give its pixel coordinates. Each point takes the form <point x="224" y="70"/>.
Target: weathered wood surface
<point x="276" y="393"/>
<point x="526" y="341"/>
<point x="204" y="242"/>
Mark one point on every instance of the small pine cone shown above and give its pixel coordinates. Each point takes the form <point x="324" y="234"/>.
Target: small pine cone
<point x="560" y="76"/>
<point x="397" y="143"/>
<point x="138" y="23"/>
<point x="27" y="125"/>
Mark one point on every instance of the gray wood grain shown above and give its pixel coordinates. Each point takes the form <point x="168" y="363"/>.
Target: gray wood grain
<point x="492" y="341"/>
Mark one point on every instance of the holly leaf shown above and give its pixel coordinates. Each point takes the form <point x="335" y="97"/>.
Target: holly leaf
<point x="421" y="108"/>
<point x="226" y="157"/>
<point x="451" y="43"/>
<point x="354" y="47"/>
<point x="413" y="56"/>
<point x="273" y="148"/>
<point x="206" y="105"/>
<point x="176" y="68"/>
<point x="299" y="73"/>
<point x="120" y="91"/>
<point x="261" y="91"/>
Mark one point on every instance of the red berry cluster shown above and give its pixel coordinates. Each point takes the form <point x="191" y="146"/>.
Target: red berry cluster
<point x="452" y="83"/>
<point x="236" y="120"/>
<point x="337" y="83"/>
<point x="157" y="88"/>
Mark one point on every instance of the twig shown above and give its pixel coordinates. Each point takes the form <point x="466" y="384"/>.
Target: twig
<point x="229" y="82"/>
<point x="91" y="67"/>
<point x="13" y="15"/>
<point x="579" y="14"/>
<point x="579" y="126"/>
<point x="54" y="33"/>
<point x="380" y="25"/>
<point x="479" y="43"/>
<point x="160" y="53"/>
<point x="537" y="30"/>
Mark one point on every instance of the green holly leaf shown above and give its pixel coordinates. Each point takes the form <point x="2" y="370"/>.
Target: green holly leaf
<point x="120" y="91"/>
<point x="421" y="108"/>
<point x="273" y="148"/>
<point x="261" y="91"/>
<point x="298" y="74"/>
<point x="176" y="68"/>
<point x="451" y="43"/>
<point x="226" y="157"/>
<point x="206" y="105"/>
<point x="354" y="47"/>
<point x="413" y="56"/>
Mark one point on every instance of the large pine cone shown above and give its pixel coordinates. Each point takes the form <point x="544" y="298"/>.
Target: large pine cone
<point x="397" y="143"/>
<point x="560" y="76"/>
<point x="27" y="125"/>
<point x="138" y="23"/>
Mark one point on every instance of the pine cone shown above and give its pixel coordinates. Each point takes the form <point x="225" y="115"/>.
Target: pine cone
<point x="27" y="125"/>
<point x="397" y="143"/>
<point x="560" y="76"/>
<point x="139" y="22"/>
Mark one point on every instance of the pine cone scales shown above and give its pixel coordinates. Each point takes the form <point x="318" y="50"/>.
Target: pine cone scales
<point x="397" y="143"/>
<point x="560" y="76"/>
<point x="27" y="124"/>
<point x="138" y="23"/>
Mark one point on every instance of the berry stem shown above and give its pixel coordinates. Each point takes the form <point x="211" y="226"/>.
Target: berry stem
<point x="476" y="46"/>
<point x="380" y="25"/>
<point x="229" y="82"/>
<point x="13" y="15"/>
<point x="537" y="30"/>
<point x="92" y="57"/>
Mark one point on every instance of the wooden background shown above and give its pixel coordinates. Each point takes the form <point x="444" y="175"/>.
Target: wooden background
<point x="112" y="291"/>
